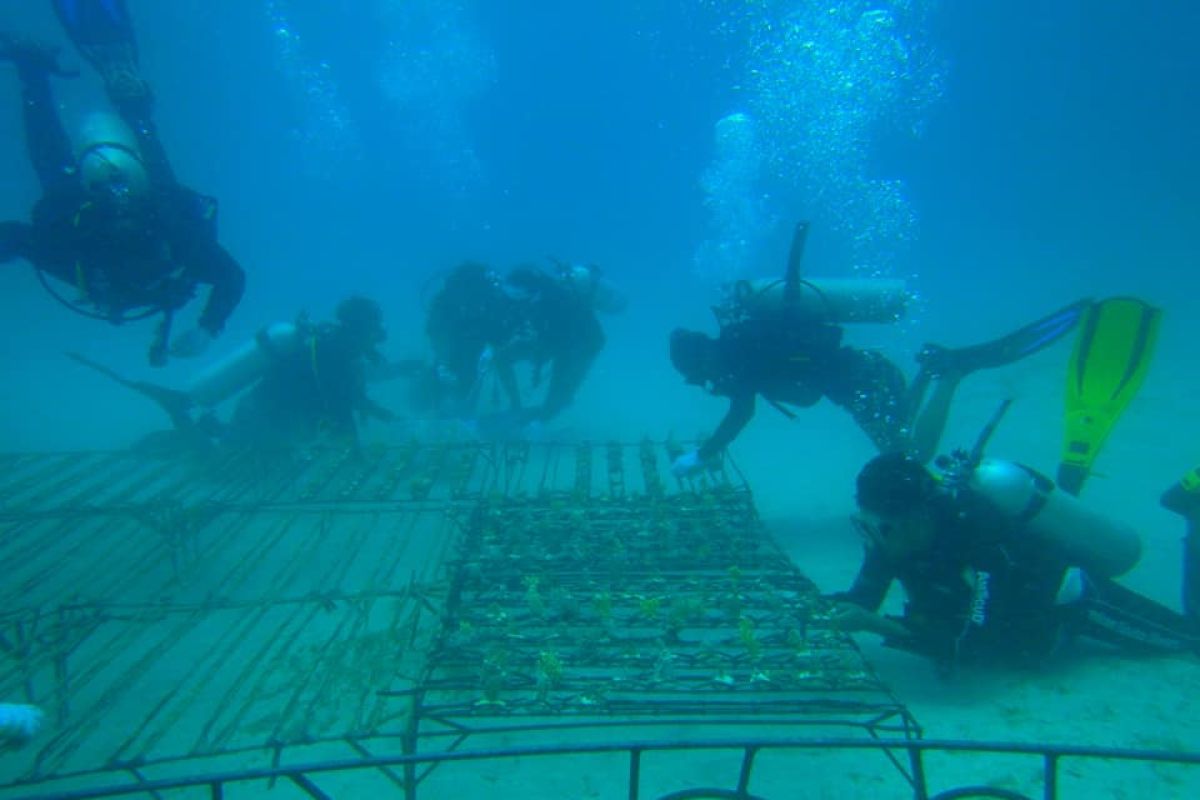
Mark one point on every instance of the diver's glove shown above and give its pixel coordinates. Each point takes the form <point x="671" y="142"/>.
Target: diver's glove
<point x="19" y="723"/>
<point x="689" y="464"/>
<point x="191" y="344"/>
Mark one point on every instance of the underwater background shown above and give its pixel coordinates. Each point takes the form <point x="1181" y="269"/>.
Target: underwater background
<point x="1004" y="157"/>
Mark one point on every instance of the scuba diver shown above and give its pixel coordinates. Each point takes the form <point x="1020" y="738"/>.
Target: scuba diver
<point x="1001" y="567"/>
<point x="480" y="325"/>
<point x="999" y="564"/>
<point x="559" y="330"/>
<point x="782" y="339"/>
<point x="113" y="221"/>
<point x="298" y="384"/>
<point x="470" y="316"/>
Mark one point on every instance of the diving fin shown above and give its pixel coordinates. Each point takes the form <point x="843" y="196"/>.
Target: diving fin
<point x="177" y="404"/>
<point x="96" y="22"/>
<point x="1112" y="354"/>
<point x="102" y="32"/>
<point x="938" y="361"/>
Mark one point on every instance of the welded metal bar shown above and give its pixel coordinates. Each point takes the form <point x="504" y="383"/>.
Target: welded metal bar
<point x="635" y="772"/>
<point x="743" y="784"/>
<point x="1050" y="776"/>
<point x="1042" y="751"/>
<point x="307" y="786"/>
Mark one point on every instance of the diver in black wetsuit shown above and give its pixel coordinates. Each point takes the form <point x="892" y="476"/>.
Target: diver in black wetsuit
<point x="317" y="390"/>
<point x="794" y="362"/>
<point x="559" y="331"/>
<point x="296" y="385"/>
<point x="113" y="222"/>
<point x="987" y="587"/>
<point x="792" y="354"/>
<point x="479" y="323"/>
<point x="468" y="318"/>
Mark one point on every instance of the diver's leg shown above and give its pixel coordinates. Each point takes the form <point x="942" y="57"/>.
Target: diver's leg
<point x="1118" y="616"/>
<point x="568" y="373"/>
<point x="46" y="139"/>
<point x="507" y="375"/>
<point x="872" y="389"/>
<point x="929" y="420"/>
<point x="102" y="31"/>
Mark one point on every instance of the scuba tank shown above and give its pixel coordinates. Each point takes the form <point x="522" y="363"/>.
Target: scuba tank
<point x="820" y="300"/>
<point x="244" y="366"/>
<point x="1102" y="547"/>
<point x="828" y="300"/>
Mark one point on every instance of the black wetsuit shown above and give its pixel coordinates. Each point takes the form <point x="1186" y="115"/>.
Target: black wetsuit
<point x="153" y="262"/>
<point x="559" y="329"/>
<point x="313" y="392"/>
<point x="468" y="314"/>
<point x="985" y="592"/>
<point x="791" y="363"/>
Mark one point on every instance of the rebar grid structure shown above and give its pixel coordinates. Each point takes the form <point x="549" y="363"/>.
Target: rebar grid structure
<point x="172" y="614"/>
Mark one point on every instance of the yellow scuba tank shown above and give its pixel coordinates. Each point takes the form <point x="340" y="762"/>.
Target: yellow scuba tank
<point x="244" y="366"/>
<point x="1101" y="546"/>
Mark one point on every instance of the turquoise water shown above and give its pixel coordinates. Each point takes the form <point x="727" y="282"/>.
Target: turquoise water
<point x="1004" y="157"/>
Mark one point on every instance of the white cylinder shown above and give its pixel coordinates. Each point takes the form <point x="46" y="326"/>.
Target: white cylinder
<point x="242" y="367"/>
<point x="833" y="300"/>
<point x="1083" y="538"/>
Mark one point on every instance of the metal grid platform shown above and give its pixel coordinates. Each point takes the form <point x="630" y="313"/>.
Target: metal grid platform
<point x="178" y="615"/>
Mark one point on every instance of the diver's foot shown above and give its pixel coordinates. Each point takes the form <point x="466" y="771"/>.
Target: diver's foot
<point x="31" y="56"/>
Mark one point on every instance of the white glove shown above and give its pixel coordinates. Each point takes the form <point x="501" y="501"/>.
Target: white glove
<point x="191" y="344"/>
<point x="19" y="723"/>
<point x="688" y="464"/>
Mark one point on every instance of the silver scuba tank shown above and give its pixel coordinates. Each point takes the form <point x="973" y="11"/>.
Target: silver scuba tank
<point x="1100" y="546"/>
<point x="826" y="300"/>
<point x="242" y="367"/>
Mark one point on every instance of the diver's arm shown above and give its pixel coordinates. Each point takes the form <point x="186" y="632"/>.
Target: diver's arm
<point x="741" y="411"/>
<point x="871" y="585"/>
<point x="858" y="608"/>
<point x="134" y="101"/>
<point x="220" y="270"/>
<point x="568" y="373"/>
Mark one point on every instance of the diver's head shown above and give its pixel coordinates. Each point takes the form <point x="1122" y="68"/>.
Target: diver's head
<point x="894" y="491"/>
<point x="361" y="320"/>
<point x="694" y="356"/>
<point x="587" y="281"/>
<point x="110" y="164"/>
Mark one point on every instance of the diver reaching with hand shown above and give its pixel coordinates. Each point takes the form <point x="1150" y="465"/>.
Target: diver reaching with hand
<point x="1001" y="567"/>
<point x="113" y="221"/>
<point x="783" y="342"/>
